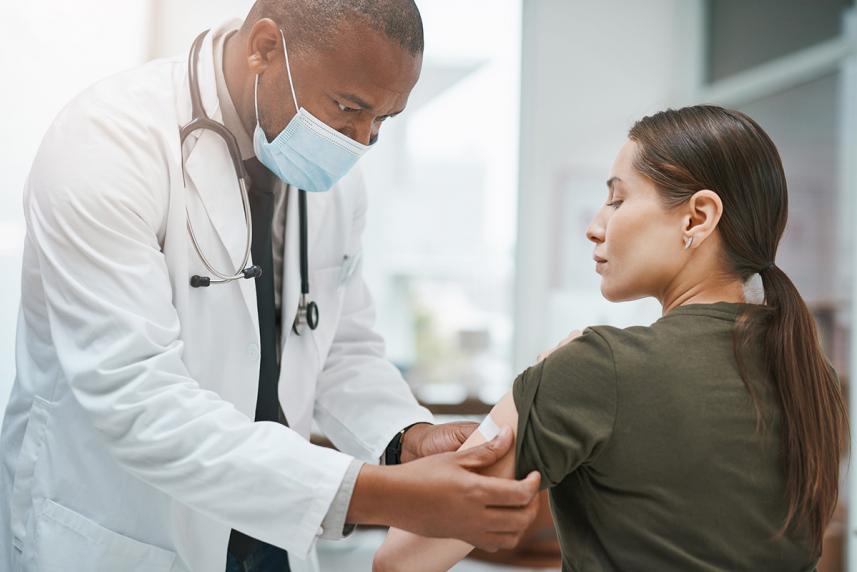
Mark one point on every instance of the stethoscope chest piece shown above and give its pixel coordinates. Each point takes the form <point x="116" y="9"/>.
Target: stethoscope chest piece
<point x="307" y="316"/>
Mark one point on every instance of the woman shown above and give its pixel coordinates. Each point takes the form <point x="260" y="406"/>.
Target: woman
<point x="709" y="440"/>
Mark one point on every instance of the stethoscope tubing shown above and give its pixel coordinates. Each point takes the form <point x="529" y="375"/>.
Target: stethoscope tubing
<point x="308" y="312"/>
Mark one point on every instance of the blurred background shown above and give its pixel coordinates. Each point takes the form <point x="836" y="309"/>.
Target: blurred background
<point x="481" y="192"/>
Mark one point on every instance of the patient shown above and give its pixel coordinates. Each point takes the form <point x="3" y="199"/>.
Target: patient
<point x="709" y="440"/>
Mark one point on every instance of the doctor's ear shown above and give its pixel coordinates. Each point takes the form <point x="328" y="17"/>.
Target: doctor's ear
<point x="265" y="45"/>
<point x="702" y="214"/>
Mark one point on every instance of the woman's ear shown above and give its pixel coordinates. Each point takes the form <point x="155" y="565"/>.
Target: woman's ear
<point x="703" y="212"/>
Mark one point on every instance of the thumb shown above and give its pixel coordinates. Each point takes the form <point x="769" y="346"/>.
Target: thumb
<point x="489" y="453"/>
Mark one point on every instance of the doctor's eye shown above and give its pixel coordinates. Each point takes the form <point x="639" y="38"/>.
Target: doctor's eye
<point x="614" y="204"/>
<point x="346" y="109"/>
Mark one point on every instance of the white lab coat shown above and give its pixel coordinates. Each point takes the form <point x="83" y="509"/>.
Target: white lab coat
<point x="129" y="442"/>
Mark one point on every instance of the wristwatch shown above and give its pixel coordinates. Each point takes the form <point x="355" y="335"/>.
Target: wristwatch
<point x="393" y="452"/>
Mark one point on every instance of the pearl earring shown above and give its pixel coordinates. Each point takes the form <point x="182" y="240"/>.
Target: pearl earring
<point x="688" y="242"/>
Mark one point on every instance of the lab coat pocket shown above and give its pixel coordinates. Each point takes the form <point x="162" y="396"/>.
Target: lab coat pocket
<point x="22" y="487"/>
<point x="327" y="282"/>
<point x="65" y="538"/>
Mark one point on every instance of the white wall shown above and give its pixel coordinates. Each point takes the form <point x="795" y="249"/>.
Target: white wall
<point x="49" y="52"/>
<point x="589" y="70"/>
<point x="178" y="22"/>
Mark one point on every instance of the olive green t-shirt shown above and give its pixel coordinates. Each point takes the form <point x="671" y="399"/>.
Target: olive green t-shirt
<point x="647" y="437"/>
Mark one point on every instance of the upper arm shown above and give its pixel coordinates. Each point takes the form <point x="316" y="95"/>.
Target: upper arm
<point x="567" y="406"/>
<point x="502" y="415"/>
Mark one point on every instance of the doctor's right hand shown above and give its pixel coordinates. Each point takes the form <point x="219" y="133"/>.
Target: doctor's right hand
<point x="444" y="496"/>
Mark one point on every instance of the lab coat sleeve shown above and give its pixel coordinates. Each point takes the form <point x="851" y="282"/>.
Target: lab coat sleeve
<point x="362" y="401"/>
<point x="94" y="206"/>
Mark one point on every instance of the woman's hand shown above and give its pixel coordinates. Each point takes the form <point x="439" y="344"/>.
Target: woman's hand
<point x="573" y="334"/>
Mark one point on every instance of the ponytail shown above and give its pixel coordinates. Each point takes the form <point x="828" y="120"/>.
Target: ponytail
<point x="814" y="417"/>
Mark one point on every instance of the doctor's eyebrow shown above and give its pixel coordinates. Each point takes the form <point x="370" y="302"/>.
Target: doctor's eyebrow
<point x="611" y="181"/>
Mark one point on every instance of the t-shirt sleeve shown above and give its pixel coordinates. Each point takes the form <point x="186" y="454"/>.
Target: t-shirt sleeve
<point x="566" y="407"/>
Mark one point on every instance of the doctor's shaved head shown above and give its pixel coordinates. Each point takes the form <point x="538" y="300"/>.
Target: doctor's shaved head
<point x="312" y="24"/>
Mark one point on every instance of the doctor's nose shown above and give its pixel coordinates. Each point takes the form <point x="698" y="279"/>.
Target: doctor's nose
<point x="364" y="134"/>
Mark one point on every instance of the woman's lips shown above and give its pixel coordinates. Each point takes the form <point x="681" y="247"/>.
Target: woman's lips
<point x="599" y="263"/>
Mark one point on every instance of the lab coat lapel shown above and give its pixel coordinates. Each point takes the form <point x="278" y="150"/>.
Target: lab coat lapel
<point x="316" y="205"/>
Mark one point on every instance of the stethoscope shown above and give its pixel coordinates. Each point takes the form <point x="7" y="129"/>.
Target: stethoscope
<point x="308" y="314"/>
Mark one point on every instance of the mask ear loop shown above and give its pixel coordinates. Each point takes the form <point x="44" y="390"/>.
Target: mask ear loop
<point x="291" y="83"/>
<point x="256" y="100"/>
<point x="289" y="71"/>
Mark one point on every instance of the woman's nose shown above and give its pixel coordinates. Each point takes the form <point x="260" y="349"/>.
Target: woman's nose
<point x="595" y="231"/>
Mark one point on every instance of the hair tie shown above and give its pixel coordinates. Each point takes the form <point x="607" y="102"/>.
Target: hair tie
<point x="767" y="267"/>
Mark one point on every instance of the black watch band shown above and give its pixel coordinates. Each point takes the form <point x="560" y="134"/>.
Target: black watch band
<point x="393" y="452"/>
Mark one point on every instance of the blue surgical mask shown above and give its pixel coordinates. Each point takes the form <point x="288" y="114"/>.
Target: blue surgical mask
<point x="308" y="153"/>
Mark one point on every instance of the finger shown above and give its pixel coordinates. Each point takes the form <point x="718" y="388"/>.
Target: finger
<point x="506" y="519"/>
<point x="463" y="430"/>
<point x="489" y="453"/>
<point x="485" y="543"/>
<point x="503" y="540"/>
<point x="533" y="480"/>
<point x="499" y="492"/>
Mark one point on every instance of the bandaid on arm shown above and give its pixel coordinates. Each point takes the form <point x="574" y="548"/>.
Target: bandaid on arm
<point x="410" y="552"/>
<point x="488" y="428"/>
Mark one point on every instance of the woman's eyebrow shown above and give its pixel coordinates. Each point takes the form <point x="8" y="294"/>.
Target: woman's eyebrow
<point x="611" y="184"/>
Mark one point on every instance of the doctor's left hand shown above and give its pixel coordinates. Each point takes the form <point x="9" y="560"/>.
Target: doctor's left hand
<point x="425" y="439"/>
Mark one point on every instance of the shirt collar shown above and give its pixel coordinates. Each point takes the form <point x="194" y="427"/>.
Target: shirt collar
<point x="230" y="115"/>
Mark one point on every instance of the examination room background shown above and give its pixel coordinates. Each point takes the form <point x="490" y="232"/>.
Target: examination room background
<point x="507" y="140"/>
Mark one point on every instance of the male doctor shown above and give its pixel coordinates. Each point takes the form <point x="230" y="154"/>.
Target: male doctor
<point x="166" y="380"/>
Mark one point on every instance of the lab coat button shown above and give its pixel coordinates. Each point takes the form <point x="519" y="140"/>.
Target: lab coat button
<point x="253" y="351"/>
<point x="320" y="531"/>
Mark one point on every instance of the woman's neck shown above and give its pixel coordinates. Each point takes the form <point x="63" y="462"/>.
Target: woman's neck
<point x="707" y="291"/>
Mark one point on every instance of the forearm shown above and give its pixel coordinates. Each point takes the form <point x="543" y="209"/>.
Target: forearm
<point x="373" y="491"/>
<point x="410" y="552"/>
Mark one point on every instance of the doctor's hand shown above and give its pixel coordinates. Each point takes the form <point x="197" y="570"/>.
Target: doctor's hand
<point x="444" y="496"/>
<point x="425" y="439"/>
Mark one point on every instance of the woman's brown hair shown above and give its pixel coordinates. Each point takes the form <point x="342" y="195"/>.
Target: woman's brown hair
<point x="706" y="147"/>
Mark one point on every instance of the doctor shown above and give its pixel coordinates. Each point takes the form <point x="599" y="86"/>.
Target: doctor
<point x="192" y="299"/>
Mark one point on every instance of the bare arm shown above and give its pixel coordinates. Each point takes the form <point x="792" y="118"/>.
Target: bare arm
<point x="407" y="551"/>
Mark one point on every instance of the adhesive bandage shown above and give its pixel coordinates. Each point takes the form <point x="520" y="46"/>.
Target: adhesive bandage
<point x="488" y="428"/>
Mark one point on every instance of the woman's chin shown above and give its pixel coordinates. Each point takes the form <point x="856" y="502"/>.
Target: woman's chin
<point x="613" y="294"/>
<point x="608" y="293"/>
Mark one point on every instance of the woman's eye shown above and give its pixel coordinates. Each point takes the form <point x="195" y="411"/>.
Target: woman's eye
<point x="614" y="204"/>
<point x="346" y="109"/>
